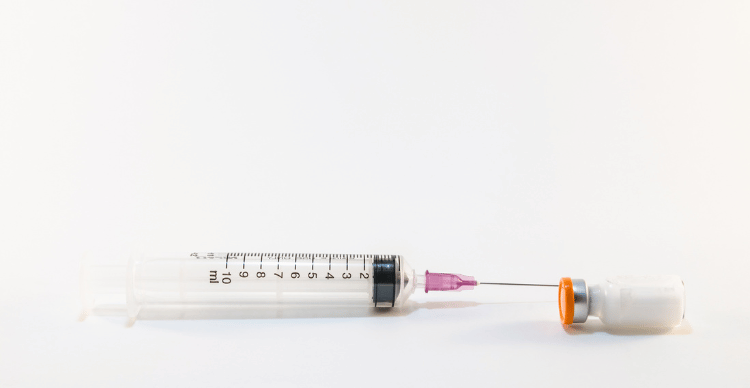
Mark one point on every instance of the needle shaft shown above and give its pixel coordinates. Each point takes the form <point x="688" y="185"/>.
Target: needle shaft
<point x="520" y="284"/>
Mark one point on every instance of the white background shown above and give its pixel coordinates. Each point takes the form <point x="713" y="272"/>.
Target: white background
<point x="519" y="141"/>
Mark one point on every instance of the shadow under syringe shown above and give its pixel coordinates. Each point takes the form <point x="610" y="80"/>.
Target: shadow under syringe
<point x="206" y="312"/>
<point x="260" y="312"/>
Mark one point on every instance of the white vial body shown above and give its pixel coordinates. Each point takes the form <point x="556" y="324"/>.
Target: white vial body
<point x="639" y="301"/>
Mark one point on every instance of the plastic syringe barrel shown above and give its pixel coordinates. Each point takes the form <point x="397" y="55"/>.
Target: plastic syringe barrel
<point x="245" y="281"/>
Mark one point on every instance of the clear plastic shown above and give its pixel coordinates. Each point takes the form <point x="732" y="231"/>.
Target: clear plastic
<point x="155" y="285"/>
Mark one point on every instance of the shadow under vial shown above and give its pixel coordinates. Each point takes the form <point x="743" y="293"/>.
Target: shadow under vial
<point x="596" y="326"/>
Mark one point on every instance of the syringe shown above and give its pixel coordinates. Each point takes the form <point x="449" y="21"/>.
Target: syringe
<point x="263" y="280"/>
<point x="271" y="282"/>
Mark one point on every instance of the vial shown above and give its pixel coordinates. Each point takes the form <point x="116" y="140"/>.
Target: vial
<point x="624" y="301"/>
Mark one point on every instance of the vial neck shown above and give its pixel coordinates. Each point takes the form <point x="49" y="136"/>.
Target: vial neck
<point x="596" y="300"/>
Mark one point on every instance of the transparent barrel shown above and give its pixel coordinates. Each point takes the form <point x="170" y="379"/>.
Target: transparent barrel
<point x="260" y="281"/>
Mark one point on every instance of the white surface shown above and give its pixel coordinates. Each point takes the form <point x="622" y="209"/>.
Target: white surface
<point x="515" y="141"/>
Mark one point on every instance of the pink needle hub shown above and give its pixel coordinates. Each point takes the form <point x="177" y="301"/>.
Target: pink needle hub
<point x="448" y="282"/>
